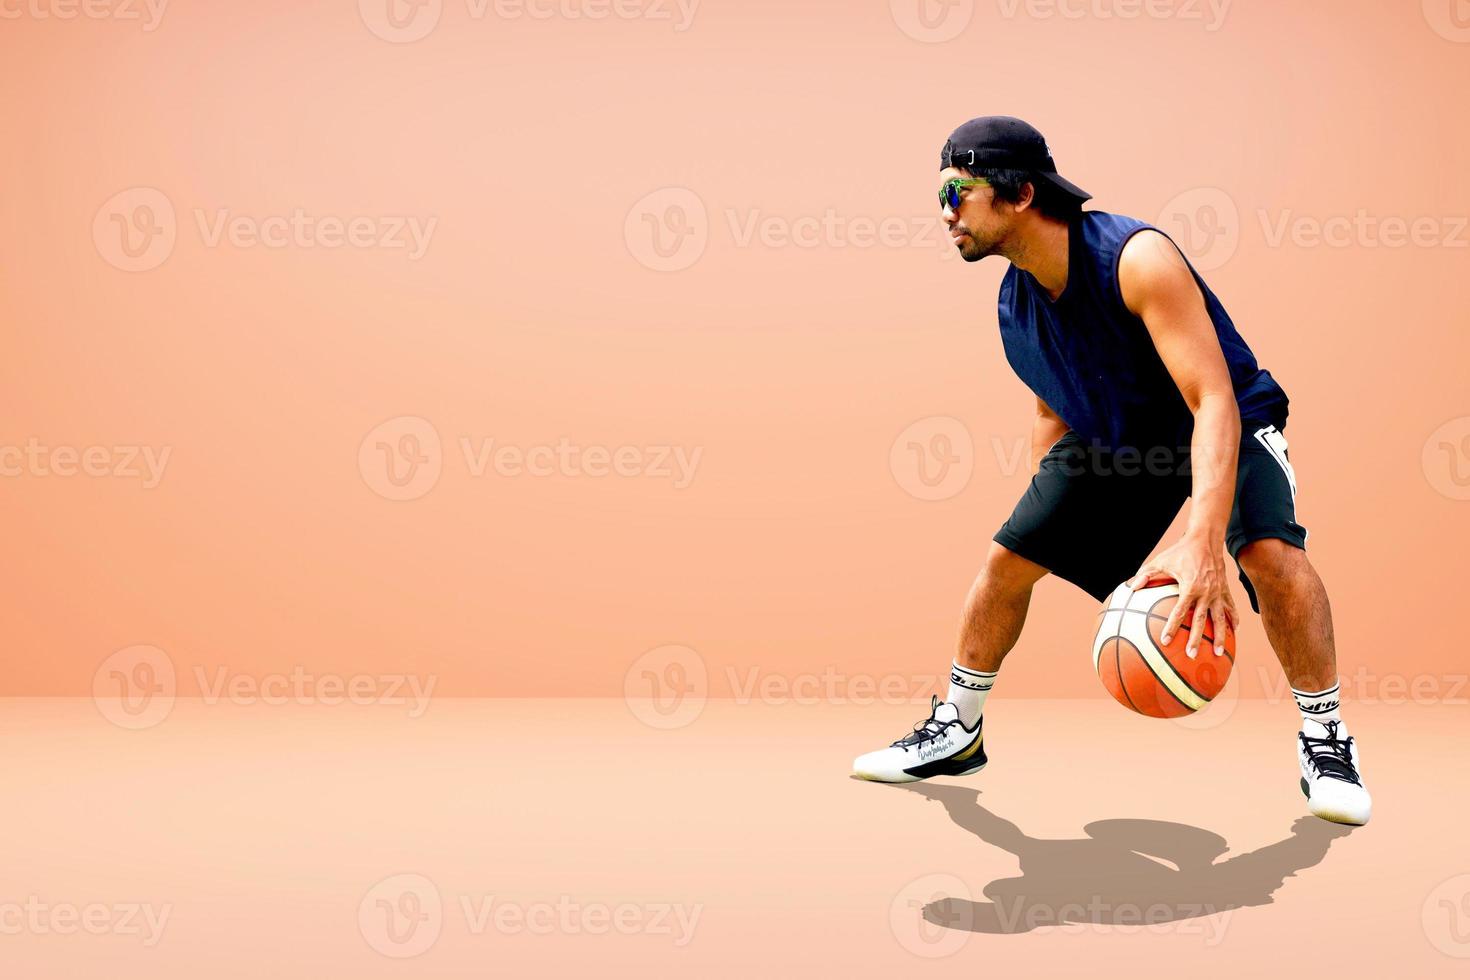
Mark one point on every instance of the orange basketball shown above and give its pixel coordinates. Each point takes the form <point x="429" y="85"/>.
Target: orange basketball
<point x="1154" y="679"/>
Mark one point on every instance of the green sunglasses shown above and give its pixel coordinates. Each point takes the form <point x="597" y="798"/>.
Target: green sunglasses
<point x="949" y="193"/>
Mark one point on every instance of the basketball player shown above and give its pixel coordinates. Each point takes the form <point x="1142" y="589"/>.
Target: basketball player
<point x="1145" y="395"/>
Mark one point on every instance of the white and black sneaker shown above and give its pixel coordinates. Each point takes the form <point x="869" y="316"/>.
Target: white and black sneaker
<point x="1330" y="778"/>
<point x="938" y="746"/>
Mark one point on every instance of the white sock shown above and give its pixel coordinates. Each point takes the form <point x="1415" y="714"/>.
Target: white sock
<point x="1319" y="706"/>
<point x="968" y="690"/>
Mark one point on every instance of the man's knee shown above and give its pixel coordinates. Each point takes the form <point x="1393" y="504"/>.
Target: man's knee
<point x="1273" y="565"/>
<point x="1005" y="568"/>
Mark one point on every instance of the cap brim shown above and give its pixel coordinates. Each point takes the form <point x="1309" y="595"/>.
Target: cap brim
<point x="1066" y="186"/>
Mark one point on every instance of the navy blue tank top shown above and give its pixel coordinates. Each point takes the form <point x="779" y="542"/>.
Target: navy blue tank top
<point x="1093" y="361"/>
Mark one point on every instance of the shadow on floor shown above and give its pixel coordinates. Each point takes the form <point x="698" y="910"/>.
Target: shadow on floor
<point x="1124" y="872"/>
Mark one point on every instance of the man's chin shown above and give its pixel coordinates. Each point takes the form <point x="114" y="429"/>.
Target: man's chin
<point x="969" y="251"/>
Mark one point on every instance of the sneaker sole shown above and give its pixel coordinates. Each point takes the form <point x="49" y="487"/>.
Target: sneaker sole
<point x="909" y="778"/>
<point x="1328" y="815"/>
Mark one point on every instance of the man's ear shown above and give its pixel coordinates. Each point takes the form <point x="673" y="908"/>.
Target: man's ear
<point x="1026" y="200"/>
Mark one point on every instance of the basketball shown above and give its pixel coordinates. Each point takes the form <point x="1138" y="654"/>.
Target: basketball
<point x="1150" y="677"/>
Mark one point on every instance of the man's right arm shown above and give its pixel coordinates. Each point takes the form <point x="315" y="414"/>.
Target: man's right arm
<point x="1045" y="431"/>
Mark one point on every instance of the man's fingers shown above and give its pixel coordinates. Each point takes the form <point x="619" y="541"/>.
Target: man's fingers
<point x="1231" y="614"/>
<point x="1144" y="574"/>
<point x="1219" y="623"/>
<point x="1197" y="629"/>
<point x="1180" y="608"/>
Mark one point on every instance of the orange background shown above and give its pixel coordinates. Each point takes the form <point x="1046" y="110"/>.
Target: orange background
<point x="793" y="369"/>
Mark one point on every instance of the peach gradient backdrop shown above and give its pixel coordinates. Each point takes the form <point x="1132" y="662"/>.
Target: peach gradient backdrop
<point x="792" y="370"/>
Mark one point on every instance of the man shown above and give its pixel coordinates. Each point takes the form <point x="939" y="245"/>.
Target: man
<point x="1145" y="395"/>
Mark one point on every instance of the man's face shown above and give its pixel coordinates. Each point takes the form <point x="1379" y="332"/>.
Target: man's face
<point x="979" y="224"/>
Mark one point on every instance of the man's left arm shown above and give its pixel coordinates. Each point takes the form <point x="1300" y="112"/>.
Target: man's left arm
<point x="1158" y="287"/>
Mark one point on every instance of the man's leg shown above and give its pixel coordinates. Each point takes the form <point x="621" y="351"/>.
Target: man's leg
<point x="950" y="742"/>
<point x="1074" y="521"/>
<point x="1294" y="610"/>
<point x="996" y="608"/>
<point x="1298" y="623"/>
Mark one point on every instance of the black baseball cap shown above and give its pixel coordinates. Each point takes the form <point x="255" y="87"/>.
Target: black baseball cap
<point x="1007" y="143"/>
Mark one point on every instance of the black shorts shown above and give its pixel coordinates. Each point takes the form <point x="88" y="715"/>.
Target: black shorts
<point x="1091" y="516"/>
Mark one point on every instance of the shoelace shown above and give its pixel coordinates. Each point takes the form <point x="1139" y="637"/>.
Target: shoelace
<point x="925" y="730"/>
<point x="1332" y="756"/>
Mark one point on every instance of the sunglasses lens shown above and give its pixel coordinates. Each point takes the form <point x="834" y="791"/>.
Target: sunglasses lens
<point x="952" y="195"/>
